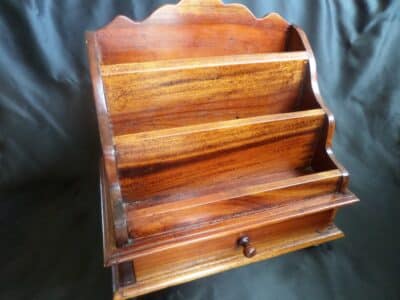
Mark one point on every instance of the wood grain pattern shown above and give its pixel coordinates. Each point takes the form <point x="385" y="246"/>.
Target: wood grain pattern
<point x="144" y="246"/>
<point x="214" y="249"/>
<point x="174" y="163"/>
<point x="230" y="203"/>
<point x="183" y="143"/>
<point x="270" y="244"/>
<point x="191" y="29"/>
<point x="280" y="183"/>
<point x="150" y="96"/>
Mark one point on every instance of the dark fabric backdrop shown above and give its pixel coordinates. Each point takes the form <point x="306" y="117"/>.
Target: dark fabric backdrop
<point x="49" y="209"/>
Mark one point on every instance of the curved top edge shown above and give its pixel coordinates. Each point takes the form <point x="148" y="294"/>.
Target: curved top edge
<point x="121" y="21"/>
<point x="318" y="96"/>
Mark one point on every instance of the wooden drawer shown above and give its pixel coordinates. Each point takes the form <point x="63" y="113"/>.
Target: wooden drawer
<point x="206" y="257"/>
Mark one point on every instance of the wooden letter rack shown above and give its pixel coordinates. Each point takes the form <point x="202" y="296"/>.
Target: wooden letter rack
<point x="216" y="144"/>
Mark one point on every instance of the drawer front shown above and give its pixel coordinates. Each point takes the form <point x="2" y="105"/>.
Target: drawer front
<point x="239" y="248"/>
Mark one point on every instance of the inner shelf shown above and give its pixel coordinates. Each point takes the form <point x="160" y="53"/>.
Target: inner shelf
<point x="155" y="95"/>
<point x="193" y="161"/>
<point x="302" y="186"/>
<point x="278" y="213"/>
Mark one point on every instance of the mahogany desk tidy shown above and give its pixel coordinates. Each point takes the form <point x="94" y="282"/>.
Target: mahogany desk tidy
<point x="216" y="144"/>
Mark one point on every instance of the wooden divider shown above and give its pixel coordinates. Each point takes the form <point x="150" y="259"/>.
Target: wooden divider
<point x="178" y="163"/>
<point x="164" y="94"/>
<point x="230" y="203"/>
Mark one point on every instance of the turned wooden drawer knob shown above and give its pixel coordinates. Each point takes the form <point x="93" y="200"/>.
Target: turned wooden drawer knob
<point x="248" y="249"/>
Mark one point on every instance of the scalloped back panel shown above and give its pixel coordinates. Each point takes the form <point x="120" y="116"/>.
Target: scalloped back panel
<point x="191" y="29"/>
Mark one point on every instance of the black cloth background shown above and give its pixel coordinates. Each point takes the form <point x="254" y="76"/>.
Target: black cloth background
<point x="49" y="209"/>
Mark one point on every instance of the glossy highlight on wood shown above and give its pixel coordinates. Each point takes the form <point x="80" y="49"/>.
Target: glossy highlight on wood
<point x="216" y="144"/>
<point x="165" y="94"/>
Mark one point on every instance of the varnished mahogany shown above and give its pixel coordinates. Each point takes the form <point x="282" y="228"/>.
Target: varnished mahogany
<point x="216" y="144"/>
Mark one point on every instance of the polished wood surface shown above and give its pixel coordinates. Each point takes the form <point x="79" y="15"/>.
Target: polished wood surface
<point x="175" y="163"/>
<point x="111" y="181"/>
<point x="295" y="238"/>
<point x="166" y="261"/>
<point x="191" y="29"/>
<point x="217" y="146"/>
<point x="155" y="95"/>
<point x="196" y="235"/>
<point x="232" y="203"/>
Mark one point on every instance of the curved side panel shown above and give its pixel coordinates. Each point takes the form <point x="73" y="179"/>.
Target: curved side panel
<point x="324" y="157"/>
<point x="110" y="167"/>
